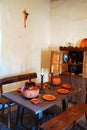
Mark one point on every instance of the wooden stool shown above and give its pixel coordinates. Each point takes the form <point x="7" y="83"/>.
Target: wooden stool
<point x="66" y="119"/>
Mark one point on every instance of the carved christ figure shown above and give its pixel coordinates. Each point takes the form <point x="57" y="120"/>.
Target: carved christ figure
<point x="25" y="17"/>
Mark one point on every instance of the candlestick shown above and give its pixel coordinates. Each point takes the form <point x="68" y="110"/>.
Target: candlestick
<point x="41" y="85"/>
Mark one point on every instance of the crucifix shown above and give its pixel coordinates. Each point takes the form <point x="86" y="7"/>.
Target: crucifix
<point x="25" y="17"/>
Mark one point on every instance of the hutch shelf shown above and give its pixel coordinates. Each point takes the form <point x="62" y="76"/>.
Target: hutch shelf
<point x="74" y="60"/>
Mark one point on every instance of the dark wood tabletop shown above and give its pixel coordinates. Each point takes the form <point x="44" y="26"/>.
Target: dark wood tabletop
<point x="18" y="98"/>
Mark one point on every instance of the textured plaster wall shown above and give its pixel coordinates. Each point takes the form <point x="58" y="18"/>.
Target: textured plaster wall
<point x="25" y="50"/>
<point x="22" y="48"/>
<point x="68" y="21"/>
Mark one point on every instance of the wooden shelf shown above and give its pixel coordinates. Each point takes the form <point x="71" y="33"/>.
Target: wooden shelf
<point x="73" y="64"/>
<point x="73" y="48"/>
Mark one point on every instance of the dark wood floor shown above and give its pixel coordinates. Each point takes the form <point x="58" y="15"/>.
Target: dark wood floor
<point x="27" y="116"/>
<point x="28" y="119"/>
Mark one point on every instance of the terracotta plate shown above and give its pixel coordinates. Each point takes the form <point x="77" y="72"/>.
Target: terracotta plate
<point x="67" y="86"/>
<point x="63" y="91"/>
<point x="35" y="101"/>
<point x="49" y="97"/>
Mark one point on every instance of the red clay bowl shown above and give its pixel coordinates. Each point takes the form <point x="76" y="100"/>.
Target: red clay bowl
<point x="30" y="92"/>
<point x="56" y="80"/>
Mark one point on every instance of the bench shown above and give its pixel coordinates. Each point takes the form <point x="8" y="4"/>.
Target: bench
<point x="10" y="80"/>
<point x="17" y="78"/>
<point x="67" y="118"/>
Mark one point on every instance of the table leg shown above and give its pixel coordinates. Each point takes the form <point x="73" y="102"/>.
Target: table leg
<point x="19" y="117"/>
<point x="38" y="121"/>
<point x="64" y="104"/>
<point x="9" y="114"/>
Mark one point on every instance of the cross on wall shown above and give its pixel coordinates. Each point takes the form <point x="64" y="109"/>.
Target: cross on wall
<point x="25" y="17"/>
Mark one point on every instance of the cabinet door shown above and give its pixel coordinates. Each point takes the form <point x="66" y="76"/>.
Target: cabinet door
<point x="63" y="61"/>
<point x="55" y="62"/>
<point x="85" y="64"/>
<point x="80" y="83"/>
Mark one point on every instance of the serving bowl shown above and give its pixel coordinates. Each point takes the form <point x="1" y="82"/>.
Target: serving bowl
<point x="30" y="91"/>
<point x="56" y="80"/>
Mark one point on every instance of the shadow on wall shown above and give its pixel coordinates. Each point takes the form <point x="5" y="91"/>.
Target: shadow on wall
<point x="45" y="59"/>
<point x="45" y="63"/>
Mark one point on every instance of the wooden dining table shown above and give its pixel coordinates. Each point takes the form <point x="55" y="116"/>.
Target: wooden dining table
<point x="43" y="105"/>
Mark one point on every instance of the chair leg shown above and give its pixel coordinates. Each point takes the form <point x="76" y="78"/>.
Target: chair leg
<point x="9" y="115"/>
<point x="19" y="117"/>
<point x="3" y="105"/>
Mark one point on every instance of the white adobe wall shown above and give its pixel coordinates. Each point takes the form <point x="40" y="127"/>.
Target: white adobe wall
<point x="22" y="48"/>
<point x="68" y="21"/>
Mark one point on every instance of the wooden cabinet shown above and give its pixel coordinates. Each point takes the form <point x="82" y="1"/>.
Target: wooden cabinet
<point x="76" y="62"/>
<point x="71" y="64"/>
<point x="70" y="60"/>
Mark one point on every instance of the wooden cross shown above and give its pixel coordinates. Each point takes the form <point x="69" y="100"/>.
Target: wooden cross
<point x="25" y="17"/>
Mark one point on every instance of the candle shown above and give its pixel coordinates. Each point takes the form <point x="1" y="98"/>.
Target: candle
<point x="52" y="69"/>
<point x="42" y="71"/>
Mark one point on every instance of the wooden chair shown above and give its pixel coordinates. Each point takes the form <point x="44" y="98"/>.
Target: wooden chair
<point x="4" y="102"/>
<point x="3" y="127"/>
<point x="66" y="119"/>
<point x="4" y="86"/>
